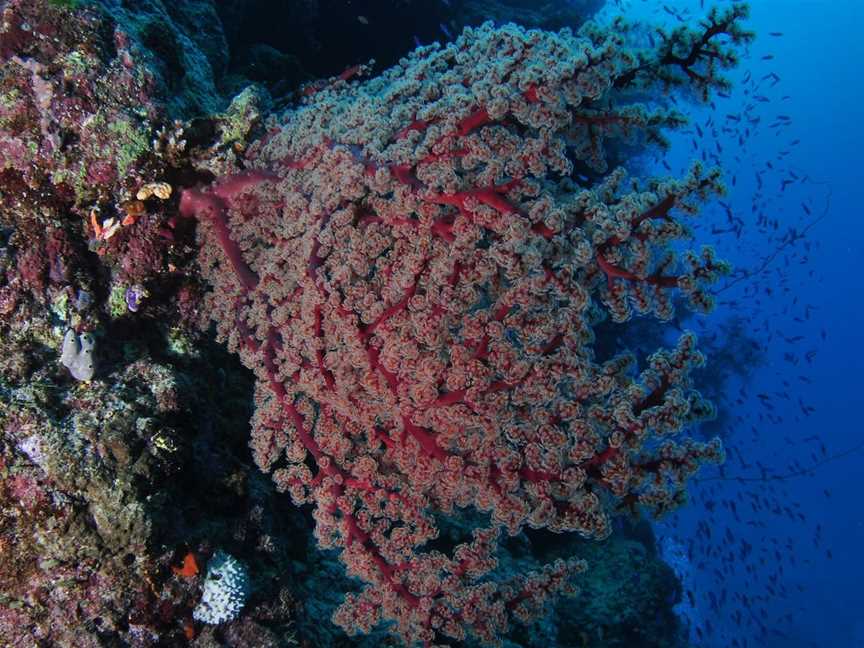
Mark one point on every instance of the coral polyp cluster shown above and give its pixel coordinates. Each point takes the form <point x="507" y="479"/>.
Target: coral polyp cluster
<point x="414" y="277"/>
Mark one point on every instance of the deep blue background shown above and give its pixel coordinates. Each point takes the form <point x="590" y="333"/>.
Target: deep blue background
<point x="800" y="594"/>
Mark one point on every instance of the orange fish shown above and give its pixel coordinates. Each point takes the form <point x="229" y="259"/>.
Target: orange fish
<point x="189" y="568"/>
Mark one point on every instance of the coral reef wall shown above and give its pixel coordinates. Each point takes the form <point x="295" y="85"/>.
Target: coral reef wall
<point x="410" y="262"/>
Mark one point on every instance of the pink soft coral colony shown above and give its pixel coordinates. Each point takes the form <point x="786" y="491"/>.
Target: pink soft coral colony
<point x="413" y="276"/>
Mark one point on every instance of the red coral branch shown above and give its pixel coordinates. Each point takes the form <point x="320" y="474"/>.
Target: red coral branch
<point x="413" y="295"/>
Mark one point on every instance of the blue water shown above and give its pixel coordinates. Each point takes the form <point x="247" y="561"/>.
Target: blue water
<point x="784" y="567"/>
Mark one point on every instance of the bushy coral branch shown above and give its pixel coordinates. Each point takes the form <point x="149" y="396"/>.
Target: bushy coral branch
<point x="693" y="57"/>
<point x="412" y="278"/>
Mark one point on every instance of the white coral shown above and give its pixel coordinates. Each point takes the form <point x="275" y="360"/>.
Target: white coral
<point x="77" y="354"/>
<point x="226" y="588"/>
